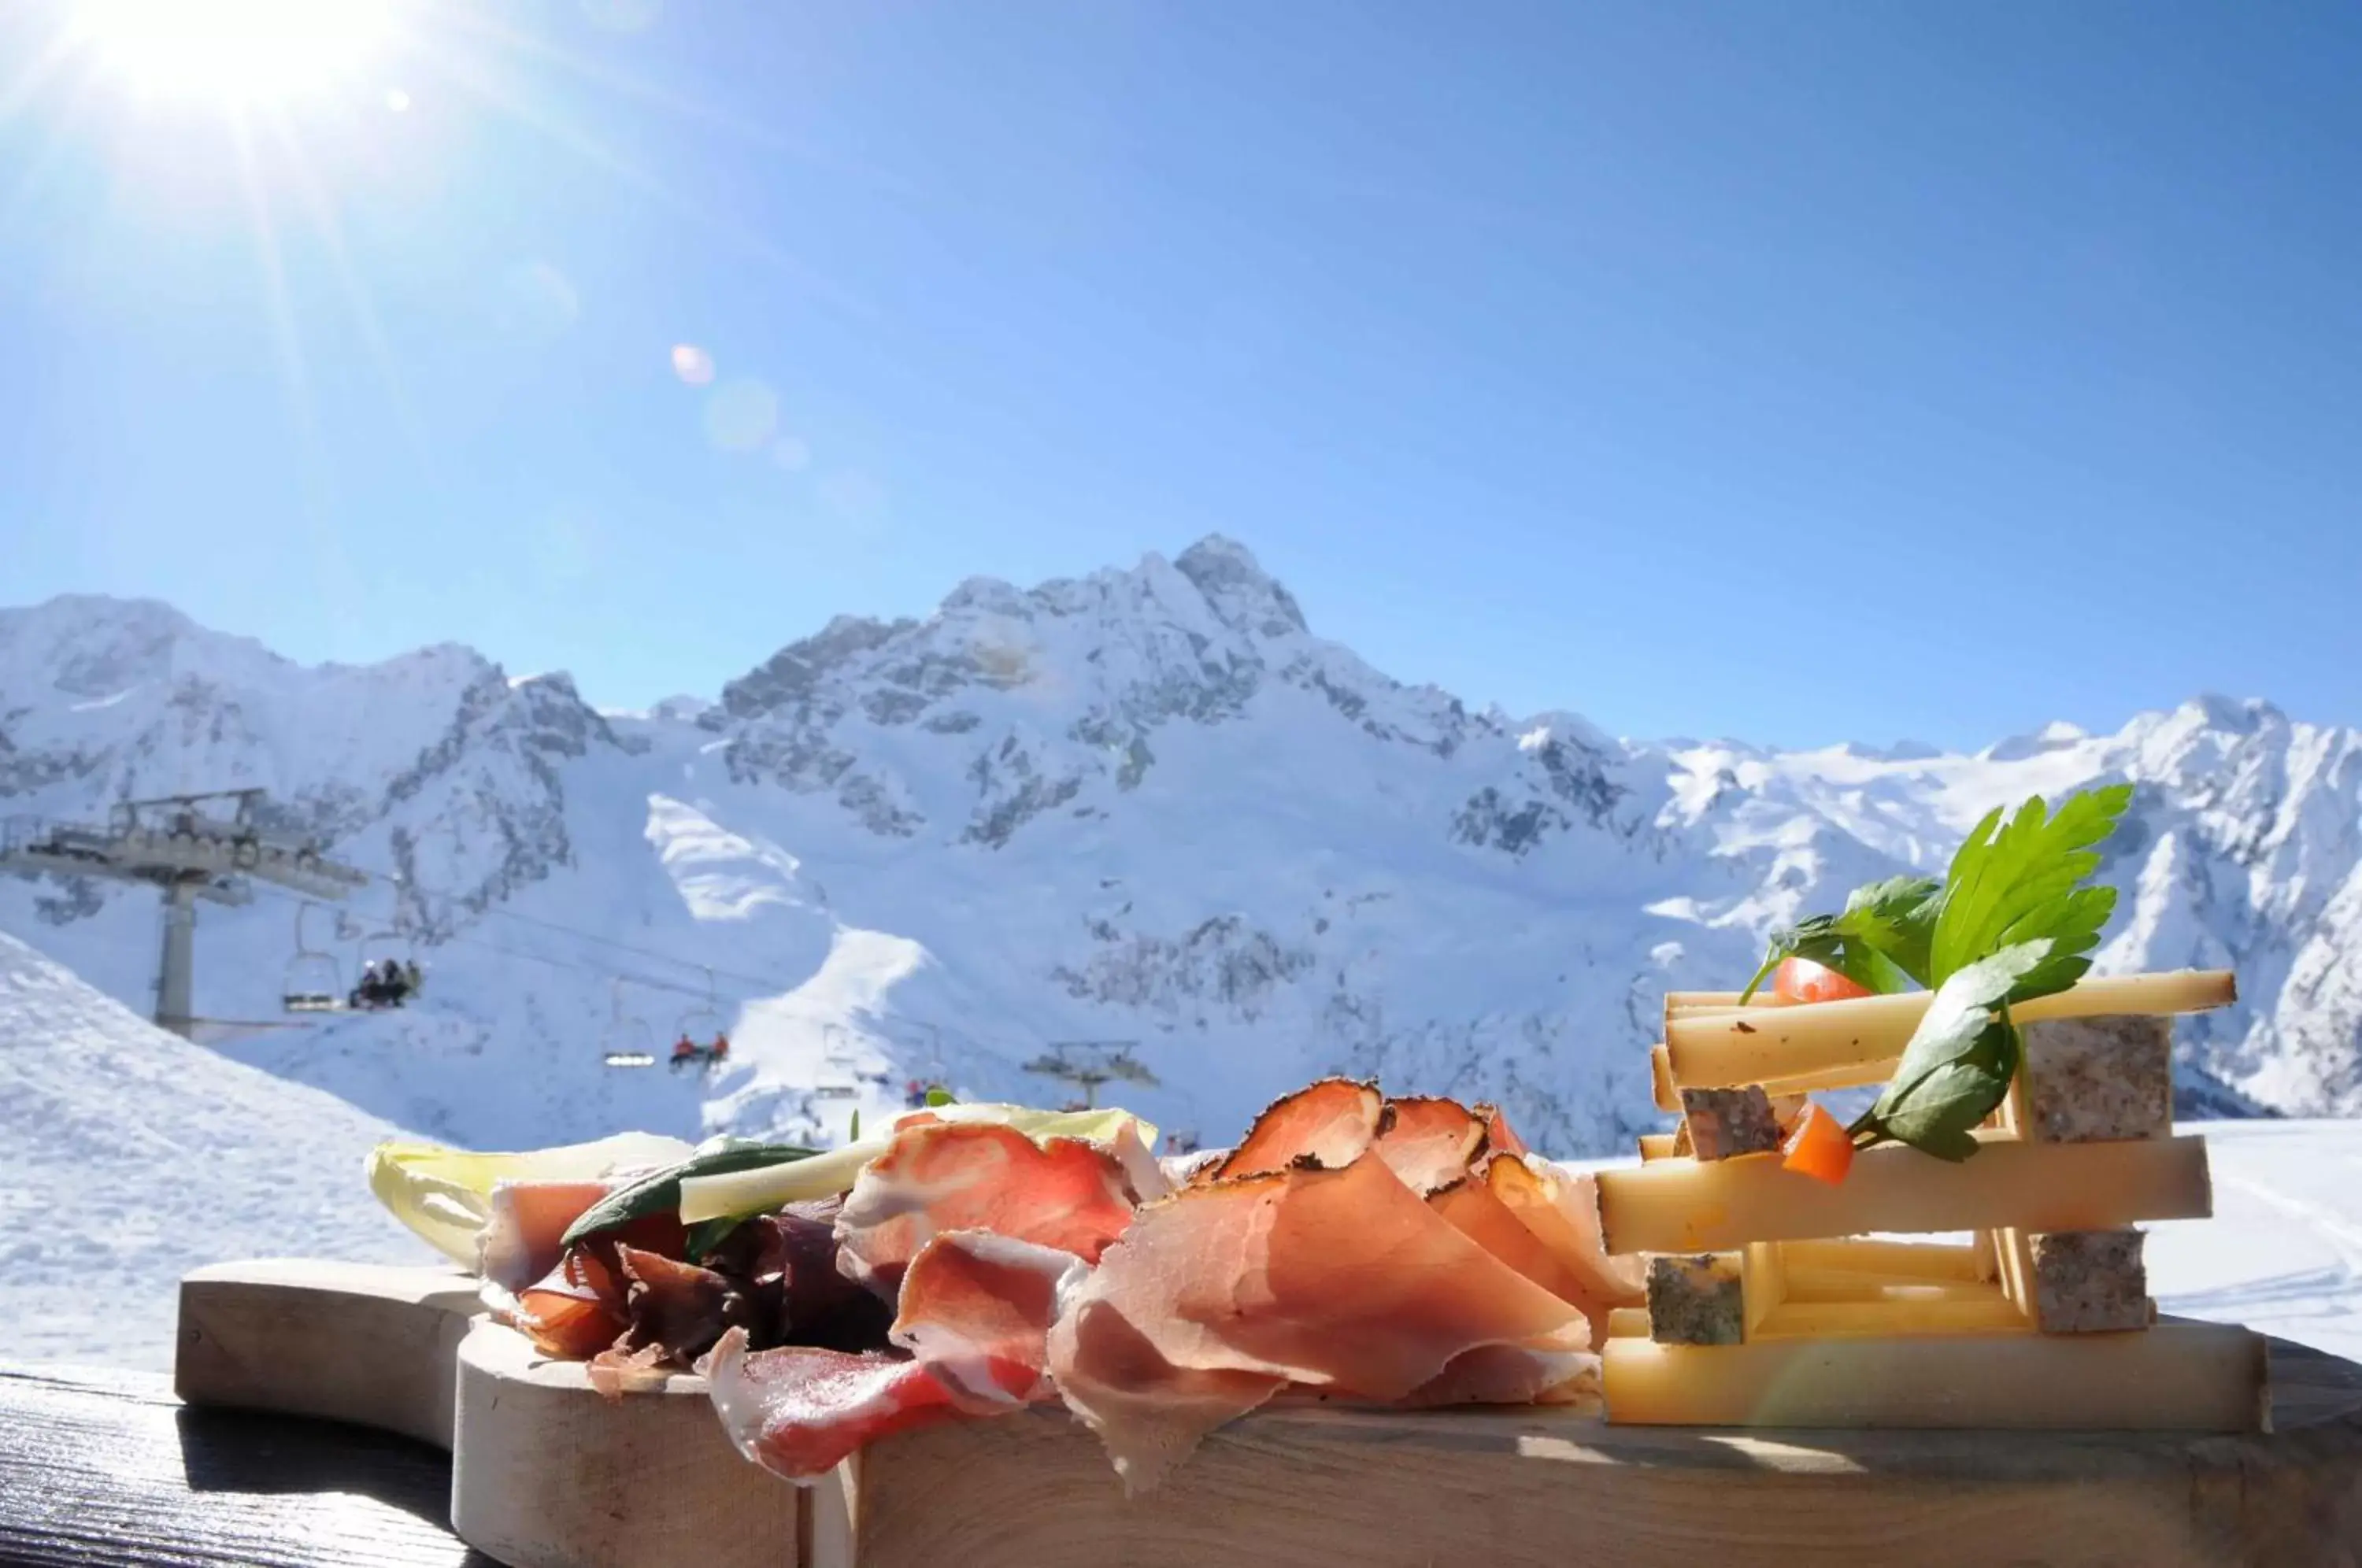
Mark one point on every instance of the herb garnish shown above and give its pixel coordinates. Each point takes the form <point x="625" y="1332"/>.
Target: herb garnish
<point x="2010" y="923"/>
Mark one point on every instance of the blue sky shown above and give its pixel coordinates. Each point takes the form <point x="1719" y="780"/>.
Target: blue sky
<point x="1798" y="371"/>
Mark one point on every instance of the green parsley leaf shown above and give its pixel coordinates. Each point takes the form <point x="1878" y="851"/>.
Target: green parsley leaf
<point x="2018" y="881"/>
<point x="1958" y="1066"/>
<point x="1879" y="942"/>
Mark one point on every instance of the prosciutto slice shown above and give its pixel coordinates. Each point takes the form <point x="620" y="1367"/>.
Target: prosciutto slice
<point x="520" y="1243"/>
<point x="938" y="1176"/>
<point x="566" y="1321"/>
<point x="1338" y="1278"/>
<point x="977" y="1309"/>
<point x="1428" y="1142"/>
<point x="798" y="1410"/>
<point x="1327" y="1123"/>
<point x="1500" y="1138"/>
<point x="1561" y="1209"/>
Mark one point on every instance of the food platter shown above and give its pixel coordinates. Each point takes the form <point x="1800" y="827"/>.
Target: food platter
<point x="1379" y="1328"/>
<point x="547" y="1474"/>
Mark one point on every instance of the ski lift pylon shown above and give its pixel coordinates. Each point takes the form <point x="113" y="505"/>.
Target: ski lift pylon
<point x="628" y="1043"/>
<point x="314" y="982"/>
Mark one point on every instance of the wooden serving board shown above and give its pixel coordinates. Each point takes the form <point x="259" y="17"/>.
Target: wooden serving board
<point x="545" y="1474"/>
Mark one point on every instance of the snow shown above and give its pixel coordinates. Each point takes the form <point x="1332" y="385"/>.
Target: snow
<point x="135" y="1156"/>
<point x="1148" y="805"/>
<point x="2283" y="1251"/>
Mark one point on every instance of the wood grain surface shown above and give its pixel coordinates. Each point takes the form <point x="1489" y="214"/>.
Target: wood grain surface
<point x="1326" y="1488"/>
<point x="549" y="1473"/>
<point x="550" y="1476"/>
<point x="108" y="1468"/>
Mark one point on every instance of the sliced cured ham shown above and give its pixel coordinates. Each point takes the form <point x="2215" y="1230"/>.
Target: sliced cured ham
<point x="1149" y="1413"/>
<point x="1500" y="1138"/>
<point x="1513" y="1375"/>
<point x="788" y="1288"/>
<point x="615" y="1371"/>
<point x="1339" y="1278"/>
<point x="1428" y="1142"/>
<point x="976" y="1309"/>
<point x="521" y="1241"/>
<point x="939" y="1177"/>
<point x="564" y="1322"/>
<point x="1470" y="1207"/>
<point x="675" y="1307"/>
<point x="798" y="1410"/>
<point x="1328" y="1123"/>
<point x="1562" y="1209"/>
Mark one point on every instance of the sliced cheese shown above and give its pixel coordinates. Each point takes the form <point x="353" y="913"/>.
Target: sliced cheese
<point x="1683" y="1206"/>
<point x="1845" y="1285"/>
<point x="1623" y="1321"/>
<point x="1904" y="1260"/>
<point x="1657" y="1145"/>
<point x="1987" y="1313"/>
<point x="1660" y="1080"/>
<point x="1767" y="1282"/>
<point x="1843" y="1044"/>
<point x="2175" y="1377"/>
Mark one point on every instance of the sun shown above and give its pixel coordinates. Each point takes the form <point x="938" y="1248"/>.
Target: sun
<point x="237" y="50"/>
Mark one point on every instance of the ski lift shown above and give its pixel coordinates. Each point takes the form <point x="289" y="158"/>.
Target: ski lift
<point x="628" y="1043"/>
<point x="393" y="949"/>
<point x="705" y="1018"/>
<point x="313" y="983"/>
<point x="839" y="1057"/>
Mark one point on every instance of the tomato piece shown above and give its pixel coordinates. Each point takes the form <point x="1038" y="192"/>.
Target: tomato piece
<point x="1802" y="980"/>
<point x="1819" y="1148"/>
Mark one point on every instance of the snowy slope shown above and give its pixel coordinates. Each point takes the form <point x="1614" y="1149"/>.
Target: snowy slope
<point x="133" y="1156"/>
<point x="1148" y="805"/>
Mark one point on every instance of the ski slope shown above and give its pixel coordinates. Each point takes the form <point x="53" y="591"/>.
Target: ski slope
<point x="133" y="1156"/>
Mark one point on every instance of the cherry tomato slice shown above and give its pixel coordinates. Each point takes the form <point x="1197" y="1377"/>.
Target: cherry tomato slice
<point x="1802" y="980"/>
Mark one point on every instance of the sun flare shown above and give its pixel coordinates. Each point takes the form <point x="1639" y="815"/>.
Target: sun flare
<point x="239" y="49"/>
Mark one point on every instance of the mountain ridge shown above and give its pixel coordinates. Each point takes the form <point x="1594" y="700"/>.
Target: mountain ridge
<point x="1147" y="803"/>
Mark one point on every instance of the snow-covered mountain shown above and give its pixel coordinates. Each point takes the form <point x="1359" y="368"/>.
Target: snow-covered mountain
<point x="1149" y="805"/>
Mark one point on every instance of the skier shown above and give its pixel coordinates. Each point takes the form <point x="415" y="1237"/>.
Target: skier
<point x="720" y="1051"/>
<point x="683" y="1052"/>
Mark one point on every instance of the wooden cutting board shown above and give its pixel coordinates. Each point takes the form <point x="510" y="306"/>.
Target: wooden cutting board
<point x="545" y="1474"/>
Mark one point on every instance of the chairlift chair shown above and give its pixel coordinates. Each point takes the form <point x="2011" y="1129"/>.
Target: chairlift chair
<point x="840" y="1058"/>
<point x="627" y="1041"/>
<point x="394" y="946"/>
<point x="703" y="1020"/>
<point x="314" y="982"/>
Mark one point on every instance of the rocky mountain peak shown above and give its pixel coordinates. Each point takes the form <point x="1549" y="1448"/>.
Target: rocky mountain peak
<point x="1241" y="591"/>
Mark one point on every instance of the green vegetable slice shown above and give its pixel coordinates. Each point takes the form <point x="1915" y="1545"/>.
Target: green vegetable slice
<point x="659" y="1192"/>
